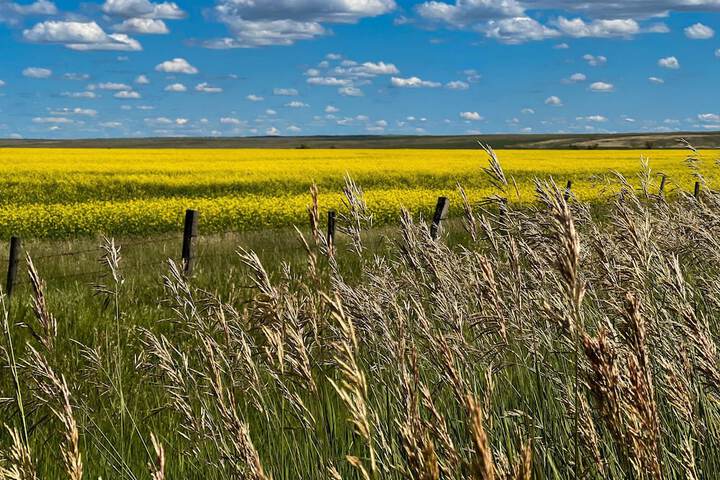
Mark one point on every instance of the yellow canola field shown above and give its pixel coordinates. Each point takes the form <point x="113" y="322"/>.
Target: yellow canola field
<point x="56" y="193"/>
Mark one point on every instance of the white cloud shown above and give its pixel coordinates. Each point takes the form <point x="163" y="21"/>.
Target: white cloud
<point x="518" y="30"/>
<point x="176" y="88"/>
<point x="553" y="101"/>
<point x="602" y="87"/>
<point x="76" y="76"/>
<point x="142" y="9"/>
<point x="127" y="95"/>
<point x="527" y="111"/>
<point x="270" y="111"/>
<point x="285" y="92"/>
<point x="595" y="60"/>
<point x="296" y="104"/>
<point x="142" y="80"/>
<point x="379" y="68"/>
<point x="2" y="83"/>
<point x="52" y="120"/>
<point x="176" y="65"/>
<point x="717" y="53"/>
<point x="85" y="112"/>
<point x="709" y="117"/>
<point x="111" y="124"/>
<point x="592" y="118"/>
<point x="699" y="31"/>
<point x="471" y="116"/>
<point x="254" y="98"/>
<point x="464" y="13"/>
<point x="457" y="85"/>
<point x="207" y="88"/>
<point x="577" y="77"/>
<point x="331" y="109"/>
<point x="350" y="92"/>
<point x="110" y="86"/>
<point x="561" y="46"/>
<point x="284" y="22"/>
<point x="231" y="121"/>
<point x="669" y="62"/>
<point x="144" y="26"/>
<point x="36" y="72"/>
<point x="413" y="82"/>
<point x="578" y="28"/>
<point x="656" y="80"/>
<point x="272" y="132"/>
<point x="329" y="81"/>
<point x="81" y="36"/>
<point x="12" y="13"/>
<point x="294" y="129"/>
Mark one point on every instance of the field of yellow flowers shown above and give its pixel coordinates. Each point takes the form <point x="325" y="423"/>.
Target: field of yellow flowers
<point x="56" y="193"/>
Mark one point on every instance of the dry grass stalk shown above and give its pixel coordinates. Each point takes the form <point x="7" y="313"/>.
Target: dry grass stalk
<point x="157" y="465"/>
<point x="16" y="463"/>
<point x="47" y="325"/>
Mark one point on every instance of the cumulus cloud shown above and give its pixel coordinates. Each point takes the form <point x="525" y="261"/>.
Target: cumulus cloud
<point x="331" y="109"/>
<point x="142" y="80"/>
<point x="656" y="80"/>
<point x="254" y="98"/>
<point x="577" y="77"/>
<point x="329" y="81"/>
<point x="284" y="22"/>
<point x="553" y="101"/>
<point x="207" y="88"/>
<point x="110" y="86"/>
<point x="350" y="92"/>
<point x="76" y="76"/>
<point x="413" y="82"/>
<point x="86" y="94"/>
<point x="82" y="36"/>
<point x="176" y="65"/>
<point x="52" y="120"/>
<point x="595" y="60"/>
<point x="602" y="87"/>
<point x="471" y="116"/>
<point x="127" y="95"/>
<point x="144" y="26"/>
<point x="699" y="31"/>
<point x="578" y="28"/>
<point x="457" y="85"/>
<point x="176" y="88"/>
<point x="37" y="72"/>
<point x="709" y="117"/>
<point x="671" y="63"/>
<point x="231" y="121"/>
<point x="12" y="13"/>
<point x="463" y="13"/>
<point x="143" y="9"/>
<point x="296" y="104"/>
<point x="518" y="30"/>
<point x="86" y="112"/>
<point x="592" y="118"/>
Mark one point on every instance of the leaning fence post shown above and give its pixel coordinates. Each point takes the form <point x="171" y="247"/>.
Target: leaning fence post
<point x="189" y="232"/>
<point x="568" y="190"/>
<point x="661" y="190"/>
<point x="331" y="231"/>
<point x="697" y="191"/>
<point x="441" y="211"/>
<point x="13" y="261"/>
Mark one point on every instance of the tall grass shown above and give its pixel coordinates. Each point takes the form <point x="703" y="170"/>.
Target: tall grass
<point x="555" y="341"/>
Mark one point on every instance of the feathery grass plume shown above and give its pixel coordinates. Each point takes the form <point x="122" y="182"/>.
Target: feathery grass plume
<point x="157" y="465"/>
<point x="482" y="466"/>
<point x="314" y="213"/>
<point x="494" y="170"/>
<point x="46" y="330"/>
<point x="352" y="386"/>
<point x="16" y="463"/>
<point x="469" y="216"/>
<point x="357" y="217"/>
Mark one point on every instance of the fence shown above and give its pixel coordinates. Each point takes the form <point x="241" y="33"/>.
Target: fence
<point x="190" y="235"/>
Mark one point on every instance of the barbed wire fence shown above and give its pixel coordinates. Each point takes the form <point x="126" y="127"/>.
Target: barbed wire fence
<point x="190" y="237"/>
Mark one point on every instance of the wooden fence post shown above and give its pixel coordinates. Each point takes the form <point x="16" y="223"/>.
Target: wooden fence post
<point x="568" y="190"/>
<point x="697" y="191"/>
<point x="331" y="231"/>
<point x="189" y="233"/>
<point x="13" y="261"/>
<point x="441" y="211"/>
<point x="661" y="191"/>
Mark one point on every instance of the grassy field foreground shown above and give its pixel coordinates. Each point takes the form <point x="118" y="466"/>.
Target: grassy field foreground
<point x="65" y="193"/>
<point x="548" y="341"/>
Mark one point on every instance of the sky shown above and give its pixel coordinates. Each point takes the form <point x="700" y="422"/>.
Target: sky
<point x="138" y="68"/>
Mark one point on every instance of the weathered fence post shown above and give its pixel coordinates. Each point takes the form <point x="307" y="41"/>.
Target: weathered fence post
<point x="189" y="233"/>
<point x="568" y="190"/>
<point x="661" y="190"/>
<point x="441" y="211"/>
<point x="697" y="191"/>
<point x="13" y="261"/>
<point x="331" y="231"/>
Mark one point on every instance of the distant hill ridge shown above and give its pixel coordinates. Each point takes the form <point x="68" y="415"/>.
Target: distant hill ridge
<point x="526" y="141"/>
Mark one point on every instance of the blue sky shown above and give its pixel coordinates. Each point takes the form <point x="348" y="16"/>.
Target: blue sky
<point x="129" y="68"/>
